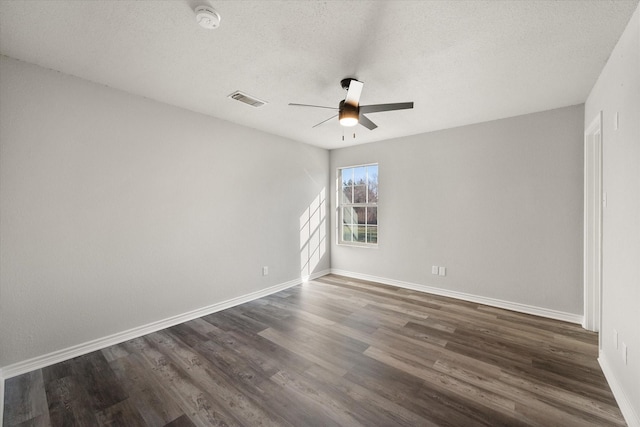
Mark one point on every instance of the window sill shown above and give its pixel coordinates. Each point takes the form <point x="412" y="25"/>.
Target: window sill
<point x="356" y="245"/>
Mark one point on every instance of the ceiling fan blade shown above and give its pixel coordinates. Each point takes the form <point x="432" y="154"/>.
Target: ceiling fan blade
<point x="385" y="107"/>
<point x="314" y="106"/>
<point x="324" y="121"/>
<point x="364" y="121"/>
<point x="353" y="94"/>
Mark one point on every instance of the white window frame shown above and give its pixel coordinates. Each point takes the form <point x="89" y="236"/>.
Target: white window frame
<point x="341" y="204"/>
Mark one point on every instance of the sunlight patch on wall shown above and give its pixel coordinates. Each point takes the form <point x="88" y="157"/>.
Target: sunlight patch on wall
<point x="313" y="235"/>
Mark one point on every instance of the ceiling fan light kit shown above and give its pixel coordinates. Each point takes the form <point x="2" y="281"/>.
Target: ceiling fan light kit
<point x="350" y="112"/>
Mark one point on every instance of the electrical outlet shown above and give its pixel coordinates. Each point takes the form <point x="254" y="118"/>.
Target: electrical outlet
<point x="265" y="271"/>
<point x="615" y="339"/>
<point x="616" y="121"/>
<point x="624" y="353"/>
<point x="442" y="271"/>
<point x="434" y="269"/>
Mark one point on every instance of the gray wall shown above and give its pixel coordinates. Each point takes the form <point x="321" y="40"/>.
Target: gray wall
<point x="117" y="211"/>
<point x="618" y="90"/>
<point x="499" y="204"/>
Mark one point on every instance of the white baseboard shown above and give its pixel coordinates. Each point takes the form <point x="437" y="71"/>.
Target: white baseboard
<point x="628" y="411"/>
<point x="39" y="362"/>
<point x="514" y="306"/>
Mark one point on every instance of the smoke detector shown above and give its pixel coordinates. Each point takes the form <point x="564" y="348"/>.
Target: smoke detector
<point x="207" y="17"/>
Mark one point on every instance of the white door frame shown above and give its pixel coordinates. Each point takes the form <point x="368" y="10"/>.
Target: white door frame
<point x="593" y="205"/>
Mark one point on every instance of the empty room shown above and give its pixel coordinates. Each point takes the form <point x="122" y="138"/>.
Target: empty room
<point x="319" y="213"/>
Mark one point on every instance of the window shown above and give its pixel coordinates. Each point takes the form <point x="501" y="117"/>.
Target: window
<point x="358" y="205"/>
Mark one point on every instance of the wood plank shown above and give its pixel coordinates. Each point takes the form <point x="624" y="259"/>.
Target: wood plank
<point x="194" y="400"/>
<point x="26" y="400"/>
<point x="218" y="388"/>
<point x="407" y="391"/>
<point x="446" y="382"/>
<point x="154" y="403"/>
<point x="250" y="379"/>
<point x="181" y="421"/>
<point x="93" y="373"/>
<point x="379" y="410"/>
<point x="69" y="405"/>
<point x="123" y="413"/>
<point x="309" y="354"/>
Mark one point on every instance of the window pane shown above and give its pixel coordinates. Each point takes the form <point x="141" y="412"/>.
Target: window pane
<point x="346" y="233"/>
<point x="372" y="234"/>
<point x="372" y="173"/>
<point x="372" y="184"/>
<point x="360" y="234"/>
<point x="347" y="192"/>
<point x="360" y="194"/>
<point x="346" y="176"/>
<point x="349" y="216"/>
<point x="360" y="175"/>
<point x="372" y="216"/>
<point x="360" y="215"/>
<point x="372" y="194"/>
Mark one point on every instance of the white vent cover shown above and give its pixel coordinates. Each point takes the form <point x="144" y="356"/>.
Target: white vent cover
<point x="247" y="99"/>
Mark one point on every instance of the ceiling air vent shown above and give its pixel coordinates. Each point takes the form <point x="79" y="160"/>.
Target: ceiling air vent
<point x="247" y="99"/>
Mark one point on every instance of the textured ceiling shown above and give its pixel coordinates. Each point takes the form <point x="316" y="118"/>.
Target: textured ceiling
<point x="461" y="62"/>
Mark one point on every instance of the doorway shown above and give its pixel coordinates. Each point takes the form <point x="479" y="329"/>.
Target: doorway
<point x="593" y="204"/>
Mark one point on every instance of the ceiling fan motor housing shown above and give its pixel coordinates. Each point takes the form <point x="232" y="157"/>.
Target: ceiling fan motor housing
<point x="346" y="82"/>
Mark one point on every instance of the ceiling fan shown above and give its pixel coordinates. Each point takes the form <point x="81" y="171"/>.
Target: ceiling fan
<point x="350" y="112"/>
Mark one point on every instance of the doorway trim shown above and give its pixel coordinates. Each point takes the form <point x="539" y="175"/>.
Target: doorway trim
<point x="593" y="206"/>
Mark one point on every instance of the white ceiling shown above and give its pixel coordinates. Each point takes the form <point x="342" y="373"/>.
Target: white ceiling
<point x="461" y="62"/>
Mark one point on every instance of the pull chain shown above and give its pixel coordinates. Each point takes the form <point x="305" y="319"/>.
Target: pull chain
<point x="354" y="135"/>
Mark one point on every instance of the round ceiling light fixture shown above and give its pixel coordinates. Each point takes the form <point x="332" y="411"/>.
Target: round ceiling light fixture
<point x="207" y="17"/>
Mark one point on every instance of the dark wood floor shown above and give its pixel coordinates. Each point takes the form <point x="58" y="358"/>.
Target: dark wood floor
<point x="335" y="351"/>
